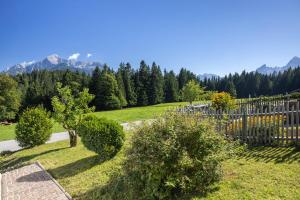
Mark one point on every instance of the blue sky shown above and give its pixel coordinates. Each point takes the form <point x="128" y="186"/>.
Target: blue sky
<point x="205" y="36"/>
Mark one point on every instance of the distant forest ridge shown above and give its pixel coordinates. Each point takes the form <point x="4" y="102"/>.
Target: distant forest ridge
<point x="148" y="85"/>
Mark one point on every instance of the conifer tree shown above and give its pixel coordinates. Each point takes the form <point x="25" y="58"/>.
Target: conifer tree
<point x="230" y="88"/>
<point x="170" y="87"/>
<point x="128" y="79"/>
<point x="122" y="92"/>
<point x="142" y="84"/>
<point x="156" y="85"/>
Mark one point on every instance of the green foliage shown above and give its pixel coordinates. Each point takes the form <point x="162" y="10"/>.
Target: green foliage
<point x="170" y="87"/>
<point x="68" y="109"/>
<point x="38" y="87"/>
<point x="192" y="91"/>
<point x="295" y="95"/>
<point x="34" y="127"/>
<point x="101" y="135"/>
<point x="142" y="83"/>
<point x="156" y="85"/>
<point x="121" y="86"/>
<point x="128" y="77"/>
<point x="177" y="154"/>
<point x="255" y="84"/>
<point x="105" y="88"/>
<point x="184" y="77"/>
<point x="230" y="88"/>
<point x="9" y="98"/>
<point x="207" y="95"/>
<point x="223" y="101"/>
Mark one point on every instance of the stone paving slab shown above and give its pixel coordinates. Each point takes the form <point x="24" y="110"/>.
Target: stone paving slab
<point x="31" y="182"/>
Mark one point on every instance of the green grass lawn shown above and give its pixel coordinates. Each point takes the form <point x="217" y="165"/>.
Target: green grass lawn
<point x="260" y="173"/>
<point x="124" y="115"/>
<point x="8" y="132"/>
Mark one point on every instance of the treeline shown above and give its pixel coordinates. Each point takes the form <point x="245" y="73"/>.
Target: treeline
<point x="113" y="89"/>
<point x="256" y="84"/>
<point x="145" y="85"/>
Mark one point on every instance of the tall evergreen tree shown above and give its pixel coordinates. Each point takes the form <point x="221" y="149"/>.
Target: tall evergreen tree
<point x="170" y="87"/>
<point x="122" y="92"/>
<point x="142" y="84"/>
<point x="128" y="79"/>
<point x="230" y="88"/>
<point x="156" y="85"/>
<point x="95" y="88"/>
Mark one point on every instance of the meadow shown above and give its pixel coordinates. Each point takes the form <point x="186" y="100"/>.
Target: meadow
<point x="7" y="132"/>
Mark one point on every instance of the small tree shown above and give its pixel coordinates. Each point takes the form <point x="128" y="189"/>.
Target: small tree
<point x="68" y="109"/>
<point x="222" y="101"/>
<point x="34" y="127"/>
<point x="191" y="91"/>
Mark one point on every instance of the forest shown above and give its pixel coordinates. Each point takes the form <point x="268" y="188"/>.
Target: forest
<point x="145" y="85"/>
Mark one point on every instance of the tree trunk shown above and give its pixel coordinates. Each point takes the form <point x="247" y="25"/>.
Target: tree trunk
<point x="73" y="138"/>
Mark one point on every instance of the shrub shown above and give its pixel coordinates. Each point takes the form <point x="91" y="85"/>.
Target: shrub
<point x="295" y="95"/>
<point x="174" y="155"/>
<point x="101" y="135"/>
<point x="223" y="101"/>
<point x="34" y="127"/>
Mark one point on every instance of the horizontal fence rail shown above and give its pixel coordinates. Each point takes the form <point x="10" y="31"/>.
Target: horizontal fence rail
<point x="265" y="123"/>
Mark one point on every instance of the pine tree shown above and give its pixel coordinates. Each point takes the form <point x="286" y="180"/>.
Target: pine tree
<point x="128" y="78"/>
<point x="122" y="92"/>
<point x="170" y="87"/>
<point x="142" y="84"/>
<point x="95" y="87"/>
<point x="230" y="88"/>
<point x="156" y="85"/>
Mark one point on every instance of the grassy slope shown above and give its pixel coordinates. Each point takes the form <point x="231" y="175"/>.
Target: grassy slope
<point x="125" y="115"/>
<point x="261" y="173"/>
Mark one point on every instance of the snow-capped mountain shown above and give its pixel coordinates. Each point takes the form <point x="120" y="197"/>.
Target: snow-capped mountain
<point x="293" y="63"/>
<point x="53" y="62"/>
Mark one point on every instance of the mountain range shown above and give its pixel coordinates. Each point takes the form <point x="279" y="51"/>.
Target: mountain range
<point x="54" y="62"/>
<point x="293" y="63"/>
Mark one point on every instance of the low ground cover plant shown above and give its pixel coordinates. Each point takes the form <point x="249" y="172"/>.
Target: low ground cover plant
<point x="101" y="135"/>
<point x="177" y="154"/>
<point x="34" y="127"/>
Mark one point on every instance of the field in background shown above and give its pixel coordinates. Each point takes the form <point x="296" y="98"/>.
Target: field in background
<point x="259" y="173"/>
<point x="124" y="115"/>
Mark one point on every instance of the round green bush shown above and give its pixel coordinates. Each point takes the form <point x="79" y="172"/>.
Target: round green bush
<point x="34" y="127"/>
<point x="176" y="155"/>
<point x="103" y="136"/>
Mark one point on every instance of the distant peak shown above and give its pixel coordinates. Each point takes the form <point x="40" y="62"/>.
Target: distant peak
<point x="295" y="57"/>
<point x="25" y="64"/>
<point x="53" y="58"/>
<point x="294" y="62"/>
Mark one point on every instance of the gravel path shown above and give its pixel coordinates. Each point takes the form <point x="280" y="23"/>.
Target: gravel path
<point x="31" y="182"/>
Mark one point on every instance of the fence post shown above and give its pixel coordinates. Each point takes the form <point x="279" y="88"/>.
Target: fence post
<point x="244" y="126"/>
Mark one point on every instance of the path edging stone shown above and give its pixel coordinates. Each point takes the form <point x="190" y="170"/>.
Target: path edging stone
<point x="56" y="183"/>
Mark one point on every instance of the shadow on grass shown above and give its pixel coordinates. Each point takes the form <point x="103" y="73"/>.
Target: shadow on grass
<point x="119" y="187"/>
<point x="272" y="154"/>
<point x="16" y="162"/>
<point x="76" y="167"/>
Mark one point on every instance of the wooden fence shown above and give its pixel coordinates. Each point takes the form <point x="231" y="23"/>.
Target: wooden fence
<point x="273" y="123"/>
